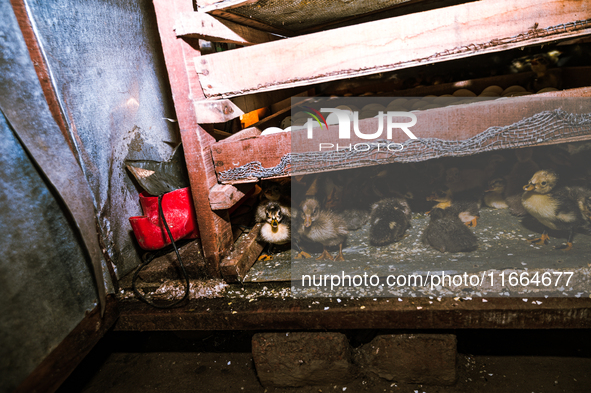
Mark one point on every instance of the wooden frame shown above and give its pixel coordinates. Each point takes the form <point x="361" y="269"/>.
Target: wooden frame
<point x="391" y="44"/>
<point x="202" y="84"/>
<point x="215" y="228"/>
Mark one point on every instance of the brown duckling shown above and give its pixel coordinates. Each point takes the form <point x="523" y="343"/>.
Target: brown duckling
<point x="521" y="172"/>
<point x="446" y="233"/>
<point x="554" y="207"/>
<point x="355" y="218"/>
<point x="582" y="196"/>
<point x="493" y="195"/>
<point x="585" y="207"/>
<point x="389" y="219"/>
<point x="322" y="226"/>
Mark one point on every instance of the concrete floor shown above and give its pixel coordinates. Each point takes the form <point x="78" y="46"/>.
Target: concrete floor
<point x="490" y="362"/>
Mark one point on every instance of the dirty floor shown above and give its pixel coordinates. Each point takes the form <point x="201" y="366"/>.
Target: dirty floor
<point x="489" y="362"/>
<point x="504" y="249"/>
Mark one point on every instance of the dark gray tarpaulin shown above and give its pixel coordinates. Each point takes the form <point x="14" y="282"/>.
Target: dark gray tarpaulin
<point x="105" y="64"/>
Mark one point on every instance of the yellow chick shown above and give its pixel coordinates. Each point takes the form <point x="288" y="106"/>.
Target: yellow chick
<point x="554" y="207"/>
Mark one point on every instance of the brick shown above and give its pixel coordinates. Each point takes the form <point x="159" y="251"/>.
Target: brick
<point x="302" y="359"/>
<point x="411" y="358"/>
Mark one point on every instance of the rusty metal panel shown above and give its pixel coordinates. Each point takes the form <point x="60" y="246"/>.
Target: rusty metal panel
<point x="106" y="65"/>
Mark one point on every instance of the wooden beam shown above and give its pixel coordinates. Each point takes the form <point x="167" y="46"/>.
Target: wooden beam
<point x="453" y="123"/>
<point x="250" y="132"/>
<point x="225" y="196"/>
<point x="204" y="26"/>
<point x="59" y="364"/>
<point x="215" y="228"/>
<point x="395" y="43"/>
<point x="211" y="5"/>
<point x="286" y="313"/>
<point x="245" y="253"/>
<point x="267" y="150"/>
<point x="218" y="111"/>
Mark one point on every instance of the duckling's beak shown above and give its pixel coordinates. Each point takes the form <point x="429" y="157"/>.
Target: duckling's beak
<point x="529" y="187"/>
<point x="307" y="222"/>
<point x="274" y="223"/>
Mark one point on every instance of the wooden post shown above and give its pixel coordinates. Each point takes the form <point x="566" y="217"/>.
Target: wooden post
<point x="215" y="229"/>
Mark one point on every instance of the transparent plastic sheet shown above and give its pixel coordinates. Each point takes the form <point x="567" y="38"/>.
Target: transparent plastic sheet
<point x="504" y="263"/>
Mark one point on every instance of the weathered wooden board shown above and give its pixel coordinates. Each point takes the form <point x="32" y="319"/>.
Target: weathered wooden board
<point x="244" y="254"/>
<point x="215" y="228"/>
<point x="216" y="111"/>
<point x="266" y="149"/>
<point x="454" y="123"/>
<point x="225" y="196"/>
<point x="284" y="313"/>
<point x="244" y="134"/>
<point x="401" y="42"/>
<point x="207" y="27"/>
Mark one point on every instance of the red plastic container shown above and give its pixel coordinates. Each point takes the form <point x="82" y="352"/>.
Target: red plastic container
<point x="179" y="212"/>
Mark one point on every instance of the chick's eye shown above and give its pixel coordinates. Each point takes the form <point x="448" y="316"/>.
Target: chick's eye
<point x="543" y="183"/>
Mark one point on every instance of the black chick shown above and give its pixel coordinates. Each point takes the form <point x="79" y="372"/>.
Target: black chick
<point x="447" y="233"/>
<point x="322" y="226"/>
<point x="389" y="219"/>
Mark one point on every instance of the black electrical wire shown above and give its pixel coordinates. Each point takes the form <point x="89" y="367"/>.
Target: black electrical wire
<point x="148" y="260"/>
